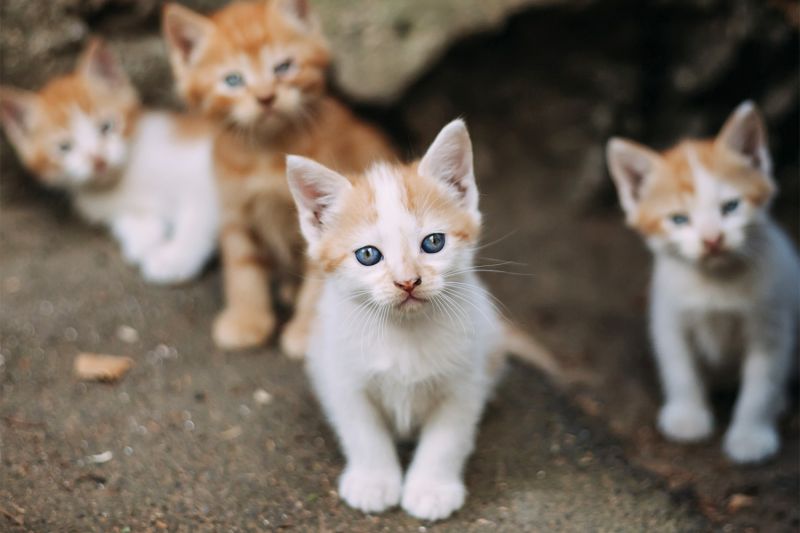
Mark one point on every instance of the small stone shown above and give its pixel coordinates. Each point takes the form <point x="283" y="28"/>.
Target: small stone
<point x="101" y="458"/>
<point x="737" y="502"/>
<point x="127" y="334"/>
<point x="262" y="397"/>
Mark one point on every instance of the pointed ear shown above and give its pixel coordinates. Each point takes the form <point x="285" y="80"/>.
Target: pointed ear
<point x="186" y="33"/>
<point x="299" y="12"/>
<point x="101" y="66"/>
<point x="745" y="134"/>
<point x="449" y="160"/>
<point x="315" y="189"/>
<point x="630" y="165"/>
<point x="18" y="111"/>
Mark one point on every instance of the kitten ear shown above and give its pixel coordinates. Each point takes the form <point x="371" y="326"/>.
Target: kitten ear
<point x="186" y="33"/>
<point x="18" y="110"/>
<point x="100" y="65"/>
<point x="745" y="134"/>
<point x="299" y="12"/>
<point x="449" y="160"/>
<point x="315" y="189"/>
<point x="630" y="165"/>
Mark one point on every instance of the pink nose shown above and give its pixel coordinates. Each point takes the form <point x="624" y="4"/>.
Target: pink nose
<point x="408" y="285"/>
<point x="99" y="164"/>
<point x="715" y="244"/>
<point x="266" y="99"/>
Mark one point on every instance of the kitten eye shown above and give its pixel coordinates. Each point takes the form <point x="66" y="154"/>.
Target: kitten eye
<point x="106" y="126"/>
<point x="64" y="146"/>
<point x="368" y="255"/>
<point x="234" y="79"/>
<point x="282" y="68"/>
<point x="433" y="243"/>
<point x="679" y="219"/>
<point x="730" y="206"/>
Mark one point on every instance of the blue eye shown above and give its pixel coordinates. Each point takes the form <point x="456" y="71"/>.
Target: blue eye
<point x="283" y="68"/>
<point x="433" y="243"/>
<point x="368" y="255"/>
<point x="730" y="206"/>
<point x="234" y="79"/>
<point x="679" y="219"/>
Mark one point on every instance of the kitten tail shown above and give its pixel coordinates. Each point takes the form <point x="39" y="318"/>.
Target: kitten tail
<point x="526" y="349"/>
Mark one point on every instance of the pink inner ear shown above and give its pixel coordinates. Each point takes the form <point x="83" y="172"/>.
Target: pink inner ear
<point x="104" y="65"/>
<point x="13" y="112"/>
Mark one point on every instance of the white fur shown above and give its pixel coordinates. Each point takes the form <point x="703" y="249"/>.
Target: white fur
<point x="384" y="367"/>
<point x="163" y="211"/>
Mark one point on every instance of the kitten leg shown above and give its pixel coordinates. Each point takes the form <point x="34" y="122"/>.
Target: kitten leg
<point x="295" y="335"/>
<point x="138" y="234"/>
<point x="753" y="435"/>
<point x="434" y="487"/>
<point x="685" y="415"/>
<point x="186" y="253"/>
<point x="372" y="478"/>
<point x="248" y="319"/>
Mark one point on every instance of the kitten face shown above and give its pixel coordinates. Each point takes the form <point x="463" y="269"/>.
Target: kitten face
<point x="74" y="133"/>
<point x="398" y="237"/>
<point x="698" y="200"/>
<point x="258" y="65"/>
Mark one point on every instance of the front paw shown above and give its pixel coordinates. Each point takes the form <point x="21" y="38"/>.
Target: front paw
<point x="433" y="499"/>
<point x="685" y="421"/>
<point x="168" y="265"/>
<point x="294" y="339"/>
<point x="370" y="490"/>
<point x="751" y="443"/>
<point x="137" y="240"/>
<point x="236" y="329"/>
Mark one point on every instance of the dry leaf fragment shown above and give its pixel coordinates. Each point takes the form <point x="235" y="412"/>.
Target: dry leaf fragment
<point x="740" y="501"/>
<point x="99" y="367"/>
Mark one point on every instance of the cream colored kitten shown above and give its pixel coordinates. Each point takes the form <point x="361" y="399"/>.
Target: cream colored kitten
<point x="146" y="175"/>
<point x="726" y="283"/>
<point x="407" y="342"/>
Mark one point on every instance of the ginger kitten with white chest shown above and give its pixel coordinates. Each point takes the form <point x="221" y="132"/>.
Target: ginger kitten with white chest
<point x="725" y="292"/>
<point x="407" y="343"/>
<point x="144" y="174"/>
<point x="258" y="70"/>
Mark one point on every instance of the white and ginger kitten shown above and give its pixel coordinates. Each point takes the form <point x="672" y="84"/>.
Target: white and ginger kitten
<point x="407" y="342"/>
<point x="725" y="291"/>
<point x="146" y="175"/>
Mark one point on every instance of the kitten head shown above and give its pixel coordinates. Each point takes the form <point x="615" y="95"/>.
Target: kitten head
<point x="398" y="237"/>
<point x="255" y="65"/>
<point x="74" y="132"/>
<point x="699" y="200"/>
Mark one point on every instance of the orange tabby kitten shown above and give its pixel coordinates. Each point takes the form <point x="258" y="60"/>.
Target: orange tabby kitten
<point x="258" y="70"/>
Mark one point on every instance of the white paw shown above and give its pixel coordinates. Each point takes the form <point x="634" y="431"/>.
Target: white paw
<point x="433" y="499"/>
<point x="751" y="444"/>
<point x="370" y="490"/>
<point x="137" y="240"/>
<point x="166" y="265"/>
<point x="685" y="422"/>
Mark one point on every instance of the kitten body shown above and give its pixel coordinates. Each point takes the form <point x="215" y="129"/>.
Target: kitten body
<point x="146" y="175"/>
<point x="258" y="70"/>
<point x="725" y="294"/>
<point x="409" y="346"/>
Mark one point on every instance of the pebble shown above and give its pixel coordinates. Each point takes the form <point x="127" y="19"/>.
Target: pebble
<point x="262" y="397"/>
<point x="100" y="458"/>
<point x="127" y="334"/>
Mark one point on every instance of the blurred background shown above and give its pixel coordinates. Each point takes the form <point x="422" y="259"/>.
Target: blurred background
<point x="542" y="84"/>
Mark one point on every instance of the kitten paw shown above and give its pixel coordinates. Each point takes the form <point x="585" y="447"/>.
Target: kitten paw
<point x="236" y="329"/>
<point x="136" y="240"/>
<point x="685" y="422"/>
<point x="370" y="490"/>
<point x="433" y="499"/>
<point x="294" y="339"/>
<point x="167" y="265"/>
<point x="751" y="444"/>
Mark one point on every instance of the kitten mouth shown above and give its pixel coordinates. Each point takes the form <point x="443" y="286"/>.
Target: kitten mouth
<point x="411" y="301"/>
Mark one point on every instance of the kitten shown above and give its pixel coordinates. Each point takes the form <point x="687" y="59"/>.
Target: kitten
<point x="407" y="342"/>
<point x="258" y="70"/>
<point x="144" y="174"/>
<point x="726" y="284"/>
